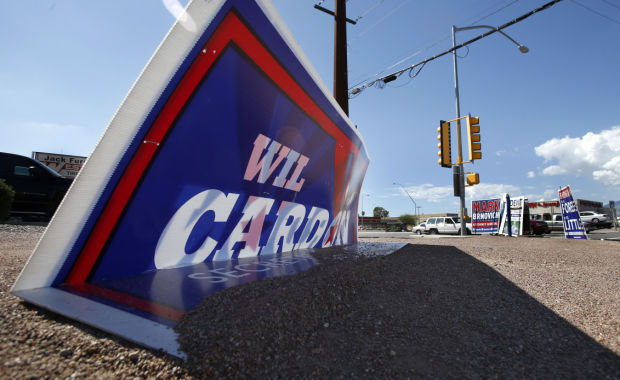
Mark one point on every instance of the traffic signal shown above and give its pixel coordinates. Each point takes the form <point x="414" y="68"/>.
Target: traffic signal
<point x="445" y="156"/>
<point x="473" y="131"/>
<point x="473" y="179"/>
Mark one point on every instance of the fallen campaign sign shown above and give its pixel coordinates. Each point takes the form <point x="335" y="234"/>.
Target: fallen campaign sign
<point x="228" y="161"/>
<point x="573" y="227"/>
<point x="485" y="216"/>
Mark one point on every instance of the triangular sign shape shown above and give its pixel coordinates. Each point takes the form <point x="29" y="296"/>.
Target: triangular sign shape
<point x="225" y="163"/>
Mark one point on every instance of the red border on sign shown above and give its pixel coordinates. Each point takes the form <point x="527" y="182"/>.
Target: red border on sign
<point x="129" y="300"/>
<point x="232" y="29"/>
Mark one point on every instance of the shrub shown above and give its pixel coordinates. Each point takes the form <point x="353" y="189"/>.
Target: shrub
<point x="6" y="199"/>
<point x="408" y="219"/>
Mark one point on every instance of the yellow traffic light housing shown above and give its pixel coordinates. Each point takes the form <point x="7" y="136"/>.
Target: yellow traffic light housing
<point x="472" y="179"/>
<point x="445" y="154"/>
<point x="473" y="131"/>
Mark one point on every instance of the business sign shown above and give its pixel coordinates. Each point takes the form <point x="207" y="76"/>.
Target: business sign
<point x="573" y="227"/>
<point x="517" y="212"/>
<point x="228" y="148"/>
<point x="485" y="216"/>
<point x="63" y="164"/>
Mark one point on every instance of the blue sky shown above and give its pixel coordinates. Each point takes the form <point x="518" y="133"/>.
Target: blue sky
<point x="548" y="118"/>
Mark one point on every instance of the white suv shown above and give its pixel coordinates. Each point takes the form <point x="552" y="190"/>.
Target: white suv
<point x="446" y="225"/>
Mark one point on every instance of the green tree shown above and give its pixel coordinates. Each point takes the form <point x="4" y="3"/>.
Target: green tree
<point x="380" y="212"/>
<point x="408" y="219"/>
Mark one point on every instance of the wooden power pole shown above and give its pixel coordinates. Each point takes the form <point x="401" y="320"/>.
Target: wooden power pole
<point x="341" y="81"/>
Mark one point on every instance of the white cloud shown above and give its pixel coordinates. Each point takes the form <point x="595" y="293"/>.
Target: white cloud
<point x="491" y="190"/>
<point x="442" y="194"/>
<point x="499" y="153"/>
<point x="429" y="193"/>
<point x="596" y="155"/>
<point x="550" y="194"/>
<point x="531" y="174"/>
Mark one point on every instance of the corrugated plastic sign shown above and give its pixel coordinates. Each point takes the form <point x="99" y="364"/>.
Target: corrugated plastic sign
<point x="485" y="216"/>
<point x="227" y="159"/>
<point x="573" y="227"/>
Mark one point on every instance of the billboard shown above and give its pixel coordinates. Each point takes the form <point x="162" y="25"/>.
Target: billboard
<point x="573" y="227"/>
<point x="227" y="155"/>
<point x="485" y="216"/>
<point x="63" y="164"/>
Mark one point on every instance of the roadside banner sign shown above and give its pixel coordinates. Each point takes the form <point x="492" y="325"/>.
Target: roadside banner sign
<point x="485" y="216"/>
<point x="515" y="218"/>
<point x="66" y="165"/>
<point x="573" y="227"/>
<point x="227" y="161"/>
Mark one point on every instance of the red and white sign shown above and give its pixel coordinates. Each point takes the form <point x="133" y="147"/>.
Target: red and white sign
<point x="65" y="165"/>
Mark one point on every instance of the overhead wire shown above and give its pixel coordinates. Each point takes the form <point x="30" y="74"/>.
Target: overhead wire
<point x="494" y="12"/>
<point x="610" y="3"/>
<point x="392" y="76"/>
<point x="369" y="10"/>
<point x="428" y="47"/>
<point x="596" y="12"/>
<point x="384" y="17"/>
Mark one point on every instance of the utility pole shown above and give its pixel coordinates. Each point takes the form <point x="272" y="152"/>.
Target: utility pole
<point x="341" y="77"/>
<point x="341" y="80"/>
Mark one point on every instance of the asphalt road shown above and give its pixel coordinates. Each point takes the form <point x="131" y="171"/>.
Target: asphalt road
<point x="606" y="234"/>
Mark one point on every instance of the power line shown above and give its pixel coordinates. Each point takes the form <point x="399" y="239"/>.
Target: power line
<point x="596" y="12"/>
<point x="492" y="13"/>
<point x="393" y="76"/>
<point x="610" y="3"/>
<point x="369" y="10"/>
<point x="416" y="52"/>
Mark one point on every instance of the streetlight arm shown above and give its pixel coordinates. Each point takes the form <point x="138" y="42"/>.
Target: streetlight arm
<point x="406" y="192"/>
<point x="522" y="48"/>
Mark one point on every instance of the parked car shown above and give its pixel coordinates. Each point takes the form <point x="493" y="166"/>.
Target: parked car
<point x="419" y="229"/>
<point x="594" y="218"/>
<point x="539" y="227"/>
<point x="445" y="225"/>
<point x="38" y="189"/>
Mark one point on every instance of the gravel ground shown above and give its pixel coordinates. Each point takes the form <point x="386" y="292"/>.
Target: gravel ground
<point x="35" y="343"/>
<point x="449" y="307"/>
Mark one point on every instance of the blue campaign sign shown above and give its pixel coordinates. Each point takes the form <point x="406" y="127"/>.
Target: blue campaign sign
<point x="485" y="216"/>
<point x="573" y="227"/>
<point x="228" y="148"/>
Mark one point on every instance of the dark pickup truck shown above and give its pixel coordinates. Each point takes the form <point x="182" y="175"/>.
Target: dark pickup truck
<point x="38" y="189"/>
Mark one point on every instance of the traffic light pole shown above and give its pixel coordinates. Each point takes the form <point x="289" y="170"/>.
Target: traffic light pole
<point x="458" y="133"/>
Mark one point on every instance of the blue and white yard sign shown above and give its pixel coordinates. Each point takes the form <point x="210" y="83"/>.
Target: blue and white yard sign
<point x="573" y="227"/>
<point x="485" y="216"/>
<point x="225" y="163"/>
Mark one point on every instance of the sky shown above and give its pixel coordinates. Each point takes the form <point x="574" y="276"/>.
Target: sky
<point x="548" y="118"/>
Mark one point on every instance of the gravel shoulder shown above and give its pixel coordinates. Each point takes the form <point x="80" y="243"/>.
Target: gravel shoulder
<point x="450" y="307"/>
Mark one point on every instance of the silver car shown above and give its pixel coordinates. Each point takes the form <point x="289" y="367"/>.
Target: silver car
<point x="419" y="229"/>
<point x="593" y="217"/>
